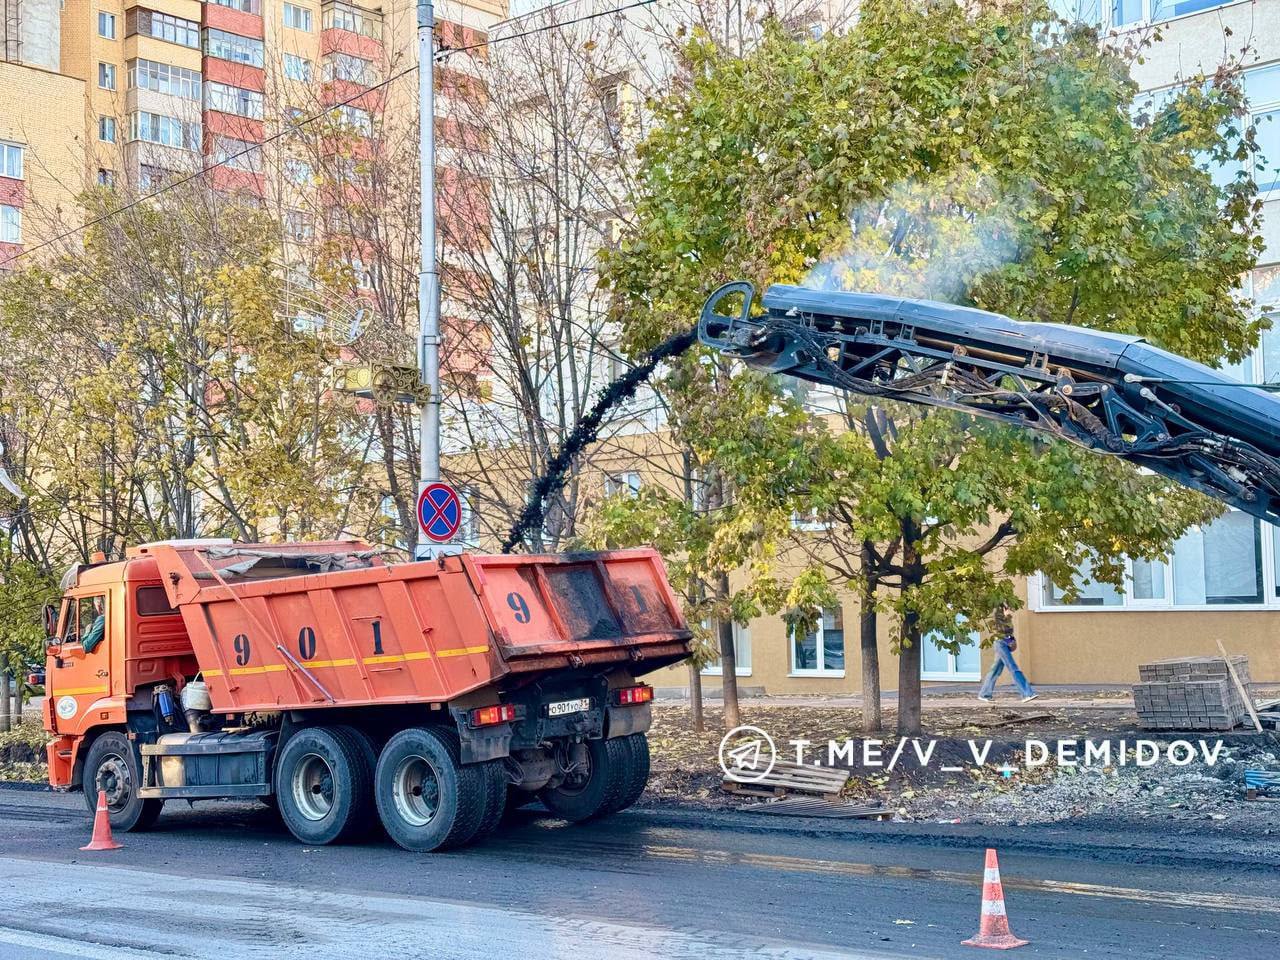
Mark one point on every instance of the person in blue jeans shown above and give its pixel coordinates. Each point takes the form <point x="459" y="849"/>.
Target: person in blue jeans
<point x="1004" y="646"/>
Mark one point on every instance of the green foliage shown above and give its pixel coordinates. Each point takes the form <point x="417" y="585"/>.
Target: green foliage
<point x="155" y="386"/>
<point x="969" y="153"/>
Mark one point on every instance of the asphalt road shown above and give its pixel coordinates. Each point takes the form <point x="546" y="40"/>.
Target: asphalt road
<point x="223" y="881"/>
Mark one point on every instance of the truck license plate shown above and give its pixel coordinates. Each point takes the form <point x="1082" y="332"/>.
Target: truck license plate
<point x="563" y="707"/>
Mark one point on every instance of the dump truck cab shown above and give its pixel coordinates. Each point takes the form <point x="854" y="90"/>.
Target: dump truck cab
<point x="345" y="690"/>
<point x="114" y="638"/>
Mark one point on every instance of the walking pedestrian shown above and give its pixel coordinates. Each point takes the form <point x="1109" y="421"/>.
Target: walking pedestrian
<point x="1004" y="646"/>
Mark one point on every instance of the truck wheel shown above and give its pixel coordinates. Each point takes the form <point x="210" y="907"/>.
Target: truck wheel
<point x="427" y="799"/>
<point x="634" y="772"/>
<point x="496" y="800"/>
<point x="589" y="792"/>
<point x="323" y="785"/>
<point x="112" y="766"/>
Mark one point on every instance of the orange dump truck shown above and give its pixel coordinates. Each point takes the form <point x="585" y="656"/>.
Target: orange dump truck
<point x="428" y="695"/>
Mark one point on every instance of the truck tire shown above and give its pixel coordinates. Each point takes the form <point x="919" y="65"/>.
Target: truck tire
<point x="636" y="776"/>
<point x="113" y="766"/>
<point x="495" y="801"/>
<point x="427" y="798"/>
<point x="324" y="785"/>
<point x="589" y="793"/>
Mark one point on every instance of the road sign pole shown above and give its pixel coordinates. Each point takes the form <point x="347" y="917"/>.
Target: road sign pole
<point x="429" y="274"/>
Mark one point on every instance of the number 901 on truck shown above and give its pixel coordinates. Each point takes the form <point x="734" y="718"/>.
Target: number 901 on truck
<point x="345" y="690"/>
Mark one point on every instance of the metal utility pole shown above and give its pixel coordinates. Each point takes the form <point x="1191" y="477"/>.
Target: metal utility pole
<point x="429" y="273"/>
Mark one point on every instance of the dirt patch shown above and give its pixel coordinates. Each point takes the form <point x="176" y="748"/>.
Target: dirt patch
<point x="977" y="764"/>
<point x="22" y="755"/>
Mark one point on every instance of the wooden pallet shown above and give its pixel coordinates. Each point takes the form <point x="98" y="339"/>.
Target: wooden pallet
<point x="786" y="777"/>
<point x="816" y="807"/>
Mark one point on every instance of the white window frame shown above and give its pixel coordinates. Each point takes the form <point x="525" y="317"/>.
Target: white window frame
<point x="10" y="217"/>
<point x="953" y="675"/>
<point x="106" y="76"/>
<point x="628" y="481"/>
<point x="822" y="670"/>
<point x="302" y="17"/>
<point x="1106" y="19"/>
<point x="1268" y="541"/>
<point x="742" y="654"/>
<point x="8" y="150"/>
<point x="295" y="67"/>
<point x="106" y="25"/>
<point x="107" y="125"/>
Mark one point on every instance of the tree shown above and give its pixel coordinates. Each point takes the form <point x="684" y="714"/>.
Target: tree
<point x="155" y="386"/>
<point x="988" y="156"/>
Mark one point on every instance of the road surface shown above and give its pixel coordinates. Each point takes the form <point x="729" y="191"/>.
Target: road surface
<point x="222" y="881"/>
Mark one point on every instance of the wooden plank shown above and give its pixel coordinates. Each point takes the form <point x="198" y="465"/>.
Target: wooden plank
<point x="1235" y="678"/>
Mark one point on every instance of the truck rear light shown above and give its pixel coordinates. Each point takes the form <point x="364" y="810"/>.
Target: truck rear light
<point x="631" y="696"/>
<point x="488" y="716"/>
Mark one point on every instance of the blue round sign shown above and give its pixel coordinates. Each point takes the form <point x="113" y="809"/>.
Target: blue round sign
<point x="439" y="512"/>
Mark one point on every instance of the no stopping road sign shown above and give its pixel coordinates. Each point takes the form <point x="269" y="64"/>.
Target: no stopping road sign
<point x="439" y="512"/>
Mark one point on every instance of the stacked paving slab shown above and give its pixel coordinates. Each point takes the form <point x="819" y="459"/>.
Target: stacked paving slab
<point x="1190" y="693"/>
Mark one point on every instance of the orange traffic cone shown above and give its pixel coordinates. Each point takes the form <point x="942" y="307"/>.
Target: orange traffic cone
<point x="102" y="827"/>
<point x="993" y="931"/>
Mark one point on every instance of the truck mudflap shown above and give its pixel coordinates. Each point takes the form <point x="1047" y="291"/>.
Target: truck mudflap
<point x="580" y="609"/>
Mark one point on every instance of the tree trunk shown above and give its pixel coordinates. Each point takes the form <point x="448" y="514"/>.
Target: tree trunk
<point x="909" y="679"/>
<point x="6" y="702"/>
<point x="728" y="675"/>
<point x="695" y="696"/>
<point x="872" y="721"/>
<point x="913" y="573"/>
<point x="728" y="661"/>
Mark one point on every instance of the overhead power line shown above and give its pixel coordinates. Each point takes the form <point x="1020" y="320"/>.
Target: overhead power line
<point x="295" y="124"/>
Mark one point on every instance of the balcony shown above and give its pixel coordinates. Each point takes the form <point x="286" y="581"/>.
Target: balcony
<point x="347" y="28"/>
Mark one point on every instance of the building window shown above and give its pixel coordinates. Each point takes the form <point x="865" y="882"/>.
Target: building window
<point x="469" y="523"/>
<point x="107" y="76"/>
<point x="106" y="25"/>
<point x="107" y="129"/>
<point x="298" y="171"/>
<point x="821" y="650"/>
<point x="1218" y="565"/>
<point x="106" y="178"/>
<point x="297" y="68"/>
<point x="741" y="654"/>
<point x="233" y="47"/>
<point x="296" y="17"/>
<point x="359" y="120"/>
<point x="10" y="224"/>
<point x="228" y="99"/>
<point x="237" y="154"/>
<point x="164" y="78"/>
<point x="343" y="66"/>
<point x="340" y="16"/>
<point x="11" y="157"/>
<point x="628" y="483"/>
<point x="152" y="177"/>
<point x="244" y="6"/>
<point x="166" y="131"/>
<point x="162" y="26"/>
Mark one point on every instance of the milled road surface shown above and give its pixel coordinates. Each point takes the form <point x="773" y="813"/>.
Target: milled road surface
<point x="222" y="881"/>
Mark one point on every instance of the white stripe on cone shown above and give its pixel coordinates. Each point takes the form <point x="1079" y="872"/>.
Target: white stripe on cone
<point x="991" y="875"/>
<point x="993" y="908"/>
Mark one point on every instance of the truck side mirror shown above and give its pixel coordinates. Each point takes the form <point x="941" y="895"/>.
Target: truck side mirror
<point x="49" y="614"/>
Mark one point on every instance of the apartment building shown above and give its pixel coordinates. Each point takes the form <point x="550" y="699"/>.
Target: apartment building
<point x="41" y="123"/>
<point x="126" y="93"/>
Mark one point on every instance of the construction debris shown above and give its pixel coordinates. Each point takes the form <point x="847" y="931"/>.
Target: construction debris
<point x="785" y="777"/>
<point x="1191" y="693"/>
<point x="815" y="807"/>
